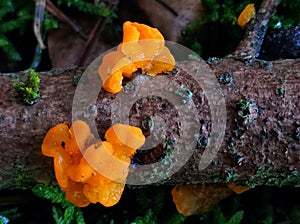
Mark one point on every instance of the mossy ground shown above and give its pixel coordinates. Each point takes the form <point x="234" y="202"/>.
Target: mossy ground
<point x="261" y="205"/>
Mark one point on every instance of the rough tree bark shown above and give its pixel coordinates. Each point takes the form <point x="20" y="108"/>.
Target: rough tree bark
<point x="262" y="139"/>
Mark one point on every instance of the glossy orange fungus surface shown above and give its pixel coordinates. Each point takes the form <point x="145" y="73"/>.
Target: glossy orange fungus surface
<point x="143" y="47"/>
<point x="246" y="15"/>
<point x="90" y="170"/>
<point x="238" y="189"/>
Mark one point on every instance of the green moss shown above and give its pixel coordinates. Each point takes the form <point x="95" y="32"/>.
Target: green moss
<point x="217" y="216"/>
<point x="156" y="202"/>
<point x="151" y="218"/>
<point x="286" y="15"/>
<point x="176" y="218"/>
<point x="147" y="219"/>
<point x="14" y="16"/>
<point x="231" y="176"/>
<point x="23" y="181"/>
<point x="89" y="7"/>
<point x="29" y="90"/>
<point x="236" y="218"/>
<point x="269" y="214"/>
<point x="9" y="215"/>
<point x="295" y="214"/>
<point x="292" y="179"/>
<point x="215" y="176"/>
<point x="279" y="180"/>
<point x="261" y="173"/>
<point x="63" y="211"/>
<point x="49" y="23"/>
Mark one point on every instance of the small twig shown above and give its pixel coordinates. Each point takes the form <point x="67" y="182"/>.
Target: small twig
<point x="87" y="44"/>
<point x="98" y="27"/>
<point x="37" y="57"/>
<point x="250" y="45"/>
<point x="61" y="16"/>
<point x="166" y="6"/>
<point x="38" y="18"/>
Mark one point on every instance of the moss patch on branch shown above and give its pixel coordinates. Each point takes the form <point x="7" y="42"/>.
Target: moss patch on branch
<point x="29" y="90"/>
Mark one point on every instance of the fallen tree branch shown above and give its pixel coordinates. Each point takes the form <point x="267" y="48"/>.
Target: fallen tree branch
<point x="249" y="47"/>
<point x="261" y="151"/>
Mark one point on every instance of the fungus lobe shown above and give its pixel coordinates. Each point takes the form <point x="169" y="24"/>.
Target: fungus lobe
<point x="142" y="48"/>
<point x="246" y="15"/>
<point x="90" y="173"/>
<point x="195" y="199"/>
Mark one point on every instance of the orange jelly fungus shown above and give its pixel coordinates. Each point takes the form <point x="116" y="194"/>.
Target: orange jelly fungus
<point x="126" y="137"/>
<point x="76" y="162"/>
<point x="238" y="189"/>
<point x="246" y="15"/>
<point x="142" y="48"/>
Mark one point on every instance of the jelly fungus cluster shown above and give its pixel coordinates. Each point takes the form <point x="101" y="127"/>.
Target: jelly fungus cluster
<point x="90" y="170"/>
<point x="142" y="48"/>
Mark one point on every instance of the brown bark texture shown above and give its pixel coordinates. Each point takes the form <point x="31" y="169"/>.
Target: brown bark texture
<point x="261" y="145"/>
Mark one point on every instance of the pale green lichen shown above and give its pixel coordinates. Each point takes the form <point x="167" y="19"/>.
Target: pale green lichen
<point x="280" y="92"/>
<point x="202" y="141"/>
<point x="231" y="176"/>
<point x="247" y="110"/>
<point x="215" y="177"/>
<point x="225" y="78"/>
<point x="185" y="93"/>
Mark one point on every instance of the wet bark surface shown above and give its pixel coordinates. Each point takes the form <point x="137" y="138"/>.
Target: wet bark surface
<point x="261" y="144"/>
